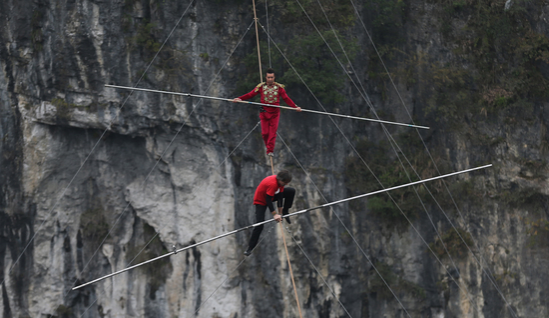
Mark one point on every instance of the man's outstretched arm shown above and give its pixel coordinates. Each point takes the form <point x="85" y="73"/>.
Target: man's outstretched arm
<point x="288" y="100"/>
<point x="249" y="95"/>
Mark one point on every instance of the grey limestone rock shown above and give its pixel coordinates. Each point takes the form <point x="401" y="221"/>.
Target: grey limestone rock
<point x="94" y="179"/>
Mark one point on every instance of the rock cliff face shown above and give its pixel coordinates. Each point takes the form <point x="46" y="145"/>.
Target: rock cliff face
<point x="94" y="179"/>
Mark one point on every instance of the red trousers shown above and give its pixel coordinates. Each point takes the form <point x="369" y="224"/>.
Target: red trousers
<point x="269" y="126"/>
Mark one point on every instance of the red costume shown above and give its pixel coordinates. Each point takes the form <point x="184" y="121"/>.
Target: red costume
<point x="270" y="115"/>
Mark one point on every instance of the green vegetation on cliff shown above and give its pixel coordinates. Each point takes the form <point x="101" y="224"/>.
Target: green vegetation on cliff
<point x="454" y="242"/>
<point x="500" y="60"/>
<point x="307" y="51"/>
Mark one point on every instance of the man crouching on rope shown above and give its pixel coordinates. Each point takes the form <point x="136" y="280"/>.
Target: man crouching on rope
<point x="271" y="189"/>
<point x="271" y="93"/>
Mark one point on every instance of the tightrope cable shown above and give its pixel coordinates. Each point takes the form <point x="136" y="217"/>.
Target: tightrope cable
<point x="257" y="40"/>
<point x="262" y="104"/>
<point x="283" y="216"/>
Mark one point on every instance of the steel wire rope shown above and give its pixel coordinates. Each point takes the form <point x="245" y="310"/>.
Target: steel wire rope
<point x="394" y="144"/>
<point x="257" y="40"/>
<point x="317" y="270"/>
<point x="271" y="158"/>
<point x="349" y="142"/>
<point x="165" y="150"/>
<point x="392" y="141"/>
<point x="490" y="276"/>
<point x="187" y="247"/>
<point x="351" y="234"/>
<point x="382" y="125"/>
<point x="157" y="233"/>
<point x="365" y="94"/>
<point x="290" y="269"/>
<point x="421" y="138"/>
<point x="246" y="137"/>
<point x="94" y="147"/>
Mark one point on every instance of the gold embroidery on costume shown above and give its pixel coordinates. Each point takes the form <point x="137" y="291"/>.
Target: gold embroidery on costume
<point x="256" y="89"/>
<point x="258" y="86"/>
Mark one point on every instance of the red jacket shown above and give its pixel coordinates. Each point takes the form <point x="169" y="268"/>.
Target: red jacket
<point x="270" y="95"/>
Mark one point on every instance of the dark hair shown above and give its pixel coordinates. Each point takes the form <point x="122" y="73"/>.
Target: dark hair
<point x="269" y="71"/>
<point x="284" y="176"/>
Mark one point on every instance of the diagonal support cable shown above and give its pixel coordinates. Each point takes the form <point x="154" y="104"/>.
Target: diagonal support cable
<point x="489" y="274"/>
<point x="356" y="241"/>
<point x="50" y="213"/>
<point x="348" y="141"/>
<point x="393" y="142"/>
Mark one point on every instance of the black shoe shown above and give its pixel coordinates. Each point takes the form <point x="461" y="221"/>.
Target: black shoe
<point x="285" y="212"/>
<point x="248" y="252"/>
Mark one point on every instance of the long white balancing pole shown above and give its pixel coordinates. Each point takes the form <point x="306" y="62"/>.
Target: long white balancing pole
<point x="285" y="216"/>
<point x="261" y="104"/>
